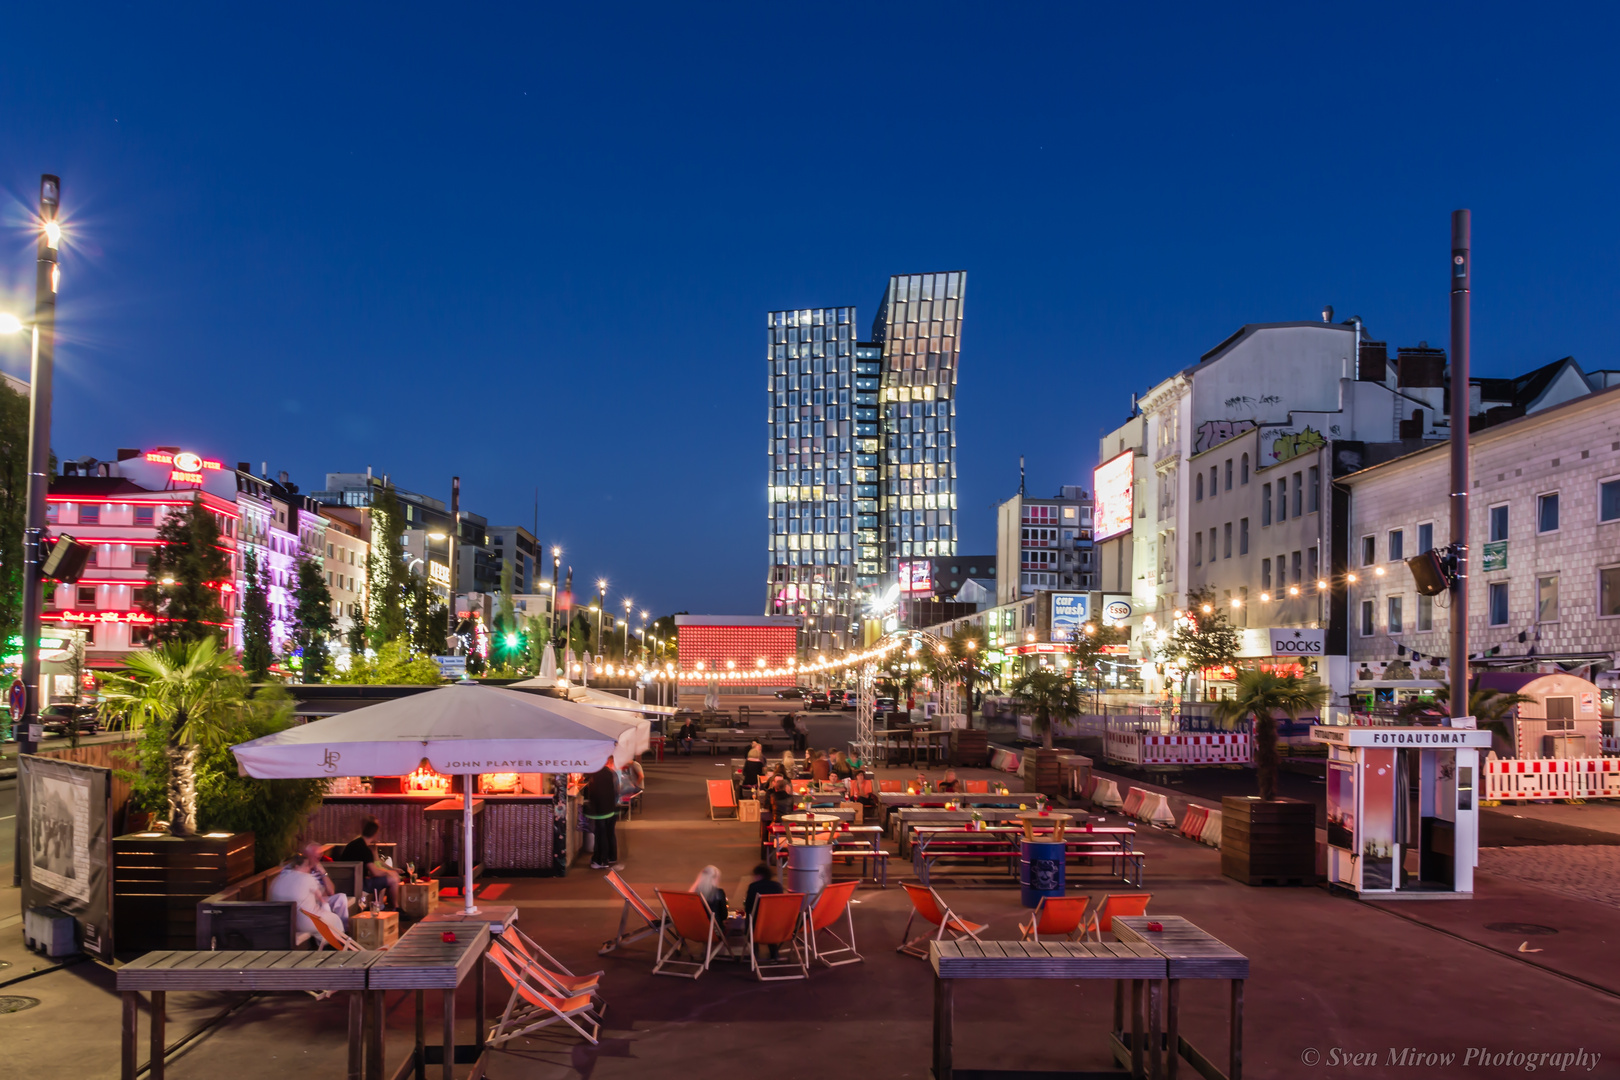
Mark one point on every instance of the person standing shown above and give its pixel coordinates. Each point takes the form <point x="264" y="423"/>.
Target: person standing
<point x="602" y="810"/>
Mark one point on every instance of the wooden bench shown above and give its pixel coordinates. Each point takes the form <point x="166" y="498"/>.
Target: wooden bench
<point x="239" y="917"/>
<point x="934" y="846"/>
<point x="1125" y="864"/>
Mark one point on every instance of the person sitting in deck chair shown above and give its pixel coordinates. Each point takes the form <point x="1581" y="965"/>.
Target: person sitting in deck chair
<point x="764" y="883"/>
<point x="297" y="883"/>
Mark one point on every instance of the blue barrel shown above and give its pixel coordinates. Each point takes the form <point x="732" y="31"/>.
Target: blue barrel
<point x="1040" y="870"/>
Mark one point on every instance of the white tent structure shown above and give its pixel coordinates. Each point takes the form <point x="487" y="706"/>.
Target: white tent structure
<point x="464" y="729"/>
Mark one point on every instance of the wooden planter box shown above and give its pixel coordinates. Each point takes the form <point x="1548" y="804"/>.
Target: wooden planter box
<point x="159" y="880"/>
<point x="970" y="748"/>
<point x="1268" y="843"/>
<point x="1043" y="771"/>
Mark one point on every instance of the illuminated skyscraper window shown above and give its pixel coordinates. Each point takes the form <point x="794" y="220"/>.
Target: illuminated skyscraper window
<point x="861" y="450"/>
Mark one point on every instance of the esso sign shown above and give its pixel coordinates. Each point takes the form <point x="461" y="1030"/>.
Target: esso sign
<point x="1117" y="611"/>
<point x="1297" y="642"/>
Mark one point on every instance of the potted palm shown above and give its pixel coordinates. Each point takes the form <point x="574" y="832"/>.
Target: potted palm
<point x="1049" y="695"/>
<point x="1264" y="839"/>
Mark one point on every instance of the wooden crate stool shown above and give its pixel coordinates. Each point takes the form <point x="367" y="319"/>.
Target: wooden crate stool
<point x="418" y="898"/>
<point x="375" y="929"/>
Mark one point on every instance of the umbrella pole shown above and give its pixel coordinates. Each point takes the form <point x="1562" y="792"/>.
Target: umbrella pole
<point x="468" y="907"/>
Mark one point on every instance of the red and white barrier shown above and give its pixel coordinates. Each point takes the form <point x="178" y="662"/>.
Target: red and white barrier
<point x="1202" y="824"/>
<point x="1106" y="794"/>
<point x="1552" y="778"/>
<point x="1211" y="833"/>
<point x="1133" y="801"/>
<point x="1189" y="748"/>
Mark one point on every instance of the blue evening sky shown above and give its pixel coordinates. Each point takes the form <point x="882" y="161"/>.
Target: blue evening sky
<point x="534" y="246"/>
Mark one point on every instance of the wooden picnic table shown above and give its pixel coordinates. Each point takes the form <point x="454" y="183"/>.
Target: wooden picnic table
<point x="896" y="799"/>
<point x="933" y="741"/>
<point x="1192" y="953"/>
<point x="157" y="973"/>
<point x="1116" y="960"/>
<point x="422" y="960"/>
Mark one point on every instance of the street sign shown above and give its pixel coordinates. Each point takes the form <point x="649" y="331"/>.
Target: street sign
<point x="18" y="699"/>
<point x="452" y="667"/>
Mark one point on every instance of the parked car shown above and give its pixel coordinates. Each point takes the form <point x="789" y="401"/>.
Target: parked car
<point x="790" y="692"/>
<point x="817" y="699"/>
<point x="63" y="719"/>
<point x="883" y="708"/>
<point x="835" y="699"/>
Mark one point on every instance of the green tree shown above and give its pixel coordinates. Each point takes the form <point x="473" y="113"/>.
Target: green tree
<point x="421" y="636"/>
<point x="13" y="506"/>
<point x="393" y="666"/>
<point x="1050" y="694"/>
<point x="196" y="691"/>
<point x="1091" y="645"/>
<point x="184" y="578"/>
<point x="357" y="633"/>
<point x="257" y="651"/>
<point x="1262" y="695"/>
<point x="387" y="579"/>
<point x="313" y="620"/>
<point x="1204" y="637"/>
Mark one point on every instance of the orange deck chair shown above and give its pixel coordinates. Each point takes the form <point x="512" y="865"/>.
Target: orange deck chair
<point x="533" y="1006"/>
<point x="892" y="786"/>
<point x="1056" y="916"/>
<point x="329" y="938"/>
<point x="976" y="787"/>
<point x="722" y="797"/>
<point x="687" y="920"/>
<point x="545" y="968"/>
<point x="776" y="922"/>
<point x="948" y="926"/>
<point x="831" y="906"/>
<point x="647" y="920"/>
<point x="1101" y="920"/>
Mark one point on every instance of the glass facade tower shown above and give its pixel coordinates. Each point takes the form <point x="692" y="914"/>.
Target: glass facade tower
<point x="861" y="449"/>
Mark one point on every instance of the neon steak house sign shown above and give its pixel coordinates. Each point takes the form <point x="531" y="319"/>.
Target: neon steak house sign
<point x="184" y="467"/>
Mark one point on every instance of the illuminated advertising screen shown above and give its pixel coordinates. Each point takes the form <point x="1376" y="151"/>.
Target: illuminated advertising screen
<point x="1113" y="485"/>
<point x="917" y="577"/>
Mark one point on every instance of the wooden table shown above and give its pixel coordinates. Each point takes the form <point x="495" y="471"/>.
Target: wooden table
<point x="421" y="961"/>
<point x="1119" y="961"/>
<point x="297" y="969"/>
<point x="1034" y="819"/>
<point x="809" y="825"/>
<point x="940" y="798"/>
<point x="1192" y="953"/>
<point x="451" y="811"/>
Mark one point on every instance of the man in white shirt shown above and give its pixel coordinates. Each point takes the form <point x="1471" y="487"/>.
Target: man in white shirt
<point x="305" y="883"/>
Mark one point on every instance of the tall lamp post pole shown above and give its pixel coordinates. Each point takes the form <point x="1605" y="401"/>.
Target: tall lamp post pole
<point x="46" y="278"/>
<point x="556" y="565"/>
<point x="627" y="606"/>
<point x="1461" y="241"/>
<point x="601" y="613"/>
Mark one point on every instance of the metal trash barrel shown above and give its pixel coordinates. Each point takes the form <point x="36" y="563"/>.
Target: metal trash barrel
<point x="809" y="869"/>
<point x="1040" y="870"/>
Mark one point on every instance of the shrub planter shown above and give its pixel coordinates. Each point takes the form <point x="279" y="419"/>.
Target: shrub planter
<point x="1043" y="771"/>
<point x="1268" y="843"/>
<point x="159" y="879"/>
<point x="970" y="748"/>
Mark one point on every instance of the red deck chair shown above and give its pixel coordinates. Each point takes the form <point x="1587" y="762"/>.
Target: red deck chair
<point x="776" y="922"/>
<point x="648" y="921"/>
<point x="328" y="937"/>
<point x="801" y="787"/>
<point x="976" y="787"/>
<point x="541" y="966"/>
<point x="722" y="797"/>
<point x="949" y="927"/>
<point x="1102" y="919"/>
<point x="532" y="1006"/>
<point x="687" y="919"/>
<point x="1056" y="916"/>
<point x="831" y="906"/>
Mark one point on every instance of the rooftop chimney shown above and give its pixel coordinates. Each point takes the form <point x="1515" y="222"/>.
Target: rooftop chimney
<point x="264" y="469"/>
<point x="283" y="477"/>
<point x="1327" y="314"/>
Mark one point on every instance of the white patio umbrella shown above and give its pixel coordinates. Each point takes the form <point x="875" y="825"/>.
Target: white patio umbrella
<point x="548" y="666"/>
<point x="463" y="729"/>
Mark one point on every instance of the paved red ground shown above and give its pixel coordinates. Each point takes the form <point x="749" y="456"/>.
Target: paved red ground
<point x="1329" y="975"/>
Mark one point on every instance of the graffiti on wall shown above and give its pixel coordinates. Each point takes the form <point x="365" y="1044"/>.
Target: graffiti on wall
<point x="1212" y="433"/>
<point x="1285" y="442"/>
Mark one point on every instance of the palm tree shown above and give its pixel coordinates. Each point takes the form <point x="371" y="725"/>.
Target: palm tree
<point x="194" y="688"/>
<point x="1491" y="709"/>
<point x="1263" y="695"/>
<point x="1049" y="693"/>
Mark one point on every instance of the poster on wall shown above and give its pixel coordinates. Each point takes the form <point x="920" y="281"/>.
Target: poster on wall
<point x="917" y="577"/>
<point x="1341" y="806"/>
<point x="1114" y="484"/>
<point x="1378" y="820"/>
<point x="1069" y="612"/>
<point x="63" y="818"/>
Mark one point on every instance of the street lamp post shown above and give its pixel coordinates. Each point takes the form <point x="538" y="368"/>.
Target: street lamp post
<point x="46" y="278"/>
<point x="556" y="565"/>
<point x="601" y="612"/>
<point x="627" y="607"/>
